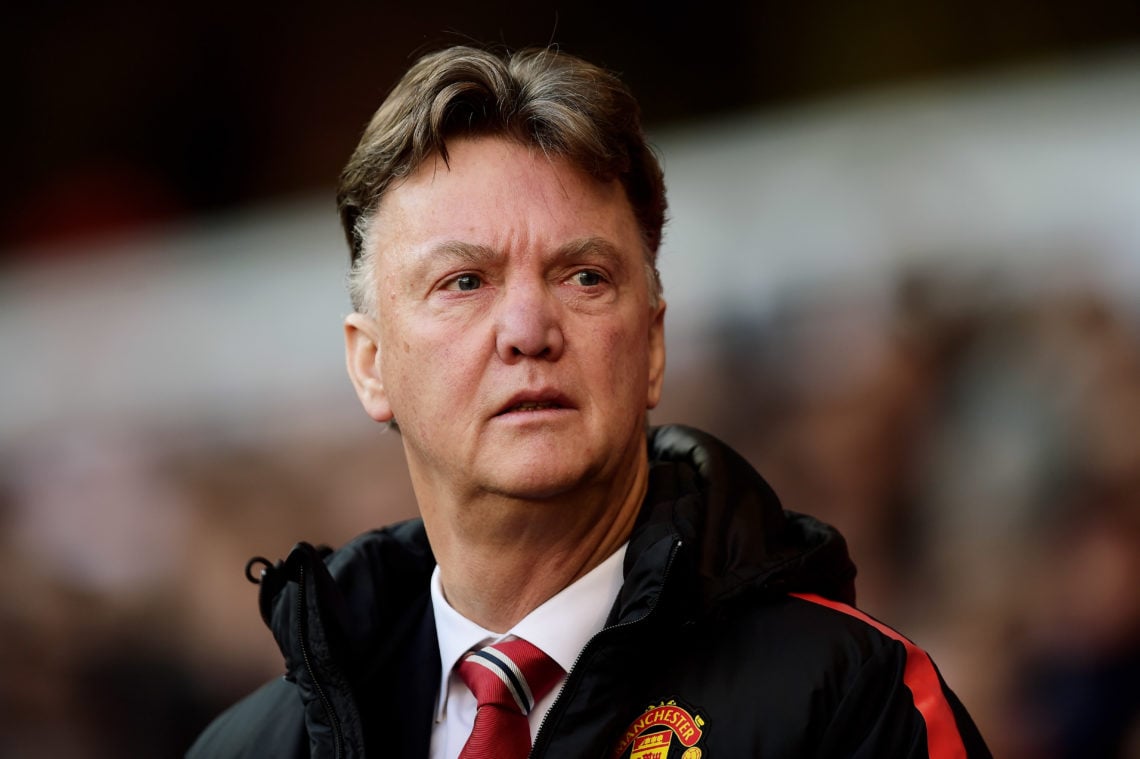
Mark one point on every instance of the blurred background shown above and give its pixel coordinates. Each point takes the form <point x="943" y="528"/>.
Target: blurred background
<point x="903" y="268"/>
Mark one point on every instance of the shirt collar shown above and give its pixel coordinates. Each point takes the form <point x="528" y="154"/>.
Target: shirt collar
<point x="560" y="627"/>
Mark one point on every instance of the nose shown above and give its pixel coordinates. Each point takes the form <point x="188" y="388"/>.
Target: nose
<point x="527" y="323"/>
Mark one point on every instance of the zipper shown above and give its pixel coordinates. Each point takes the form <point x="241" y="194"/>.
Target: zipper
<point x="302" y="619"/>
<point x="570" y="678"/>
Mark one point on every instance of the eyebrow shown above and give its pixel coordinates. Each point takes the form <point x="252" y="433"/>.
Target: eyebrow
<point x="592" y="247"/>
<point x="471" y="253"/>
<point x="459" y="251"/>
<point x="452" y="252"/>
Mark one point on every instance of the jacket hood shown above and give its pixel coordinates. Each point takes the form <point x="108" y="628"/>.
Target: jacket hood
<point x="327" y="611"/>
<point x="742" y="540"/>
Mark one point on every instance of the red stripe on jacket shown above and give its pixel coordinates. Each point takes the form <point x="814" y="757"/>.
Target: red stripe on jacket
<point x="942" y="738"/>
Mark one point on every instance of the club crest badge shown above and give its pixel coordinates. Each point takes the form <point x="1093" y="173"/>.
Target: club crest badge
<point x="667" y="730"/>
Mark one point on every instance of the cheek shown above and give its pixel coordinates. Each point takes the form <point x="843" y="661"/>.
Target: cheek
<point x="435" y="366"/>
<point x="624" y="352"/>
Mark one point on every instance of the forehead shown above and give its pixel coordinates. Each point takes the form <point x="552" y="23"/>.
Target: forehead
<point x="502" y="194"/>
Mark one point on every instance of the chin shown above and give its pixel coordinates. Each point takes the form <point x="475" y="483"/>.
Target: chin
<point x="532" y="491"/>
<point x="528" y="483"/>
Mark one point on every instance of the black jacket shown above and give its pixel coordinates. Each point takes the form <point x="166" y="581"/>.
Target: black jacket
<point x="731" y="637"/>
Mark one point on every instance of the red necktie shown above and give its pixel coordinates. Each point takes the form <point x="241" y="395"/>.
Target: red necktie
<point x="507" y="679"/>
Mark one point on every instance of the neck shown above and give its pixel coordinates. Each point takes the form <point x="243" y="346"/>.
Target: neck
<point x="501" y="558"/>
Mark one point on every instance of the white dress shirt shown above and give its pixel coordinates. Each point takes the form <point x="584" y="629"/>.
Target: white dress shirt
<point x="560" y="628"/>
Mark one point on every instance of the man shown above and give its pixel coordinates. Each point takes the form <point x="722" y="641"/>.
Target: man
<point x="645" y="595"/>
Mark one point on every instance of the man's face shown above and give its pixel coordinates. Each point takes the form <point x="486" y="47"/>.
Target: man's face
<point x="514" y="340"/>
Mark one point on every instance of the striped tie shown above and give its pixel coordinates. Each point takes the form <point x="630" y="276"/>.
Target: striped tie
<point x="507" y="679"/>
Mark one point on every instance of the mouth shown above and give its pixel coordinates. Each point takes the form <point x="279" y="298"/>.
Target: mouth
<point x="532" y="406"/>
<point x="529" y="403"/>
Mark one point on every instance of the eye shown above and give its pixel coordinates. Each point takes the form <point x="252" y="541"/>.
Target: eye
<point x="465" y="282"/>
<point x="587" y="278"/>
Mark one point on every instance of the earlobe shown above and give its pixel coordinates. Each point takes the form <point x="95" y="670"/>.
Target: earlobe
<point x="656" y="355"/>
<point x="362" y="356"/>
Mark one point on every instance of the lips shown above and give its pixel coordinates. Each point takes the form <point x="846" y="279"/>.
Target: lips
<point x="533" y="406"/>
<point x="532" y="401"/>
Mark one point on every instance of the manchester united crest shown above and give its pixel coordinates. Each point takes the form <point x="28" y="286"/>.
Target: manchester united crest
<point x="667" y="730"/>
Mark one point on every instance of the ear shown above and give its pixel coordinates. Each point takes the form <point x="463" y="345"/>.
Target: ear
<point x="656" y="355"/>
<point x="362" y="354"/>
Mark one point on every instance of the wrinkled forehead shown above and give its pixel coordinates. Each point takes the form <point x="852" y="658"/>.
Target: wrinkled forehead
<point x="441" y="161"/>
<point x="495" y="192"/>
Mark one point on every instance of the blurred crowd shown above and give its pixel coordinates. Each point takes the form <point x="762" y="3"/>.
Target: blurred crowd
<point x="977" y="446"/>
<point x="975" y="442"/>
